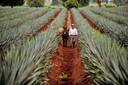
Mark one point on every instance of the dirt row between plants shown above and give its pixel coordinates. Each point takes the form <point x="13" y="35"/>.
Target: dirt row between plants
<point x="67" y="68"/>
<point x="47" y="24"/>
<point x="91" y="23"/>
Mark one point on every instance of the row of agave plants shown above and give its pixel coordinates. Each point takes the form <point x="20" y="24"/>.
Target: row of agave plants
<point x="123" y="11"/>
<point x="27" y="62"/>
<point x="13" y="35"/>
<point x="12" y="22"/>
<point x="114" y="17"/>
<point x="5" y="11"/>
<point x="16" y="15"/>
<point x="113" y="29"/>
<point x="103" y="57"/>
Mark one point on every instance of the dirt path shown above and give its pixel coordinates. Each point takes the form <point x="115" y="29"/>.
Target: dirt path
<point x="45" y="26"/>
<point x="67" y="61"/>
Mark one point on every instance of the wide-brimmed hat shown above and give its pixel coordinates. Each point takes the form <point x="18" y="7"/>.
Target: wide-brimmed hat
<point x="61" y="29"/>
<point x="72" y="24"/>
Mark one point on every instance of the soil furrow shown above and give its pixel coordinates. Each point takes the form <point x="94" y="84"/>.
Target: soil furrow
<point x="47" y="24"/>
<point x="67" y="68"/>
<point x="91" y="23"/>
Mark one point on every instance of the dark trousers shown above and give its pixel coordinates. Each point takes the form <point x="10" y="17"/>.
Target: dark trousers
<point x="65" y="42"/>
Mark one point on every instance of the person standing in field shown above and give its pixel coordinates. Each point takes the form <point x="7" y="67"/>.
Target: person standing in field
<point x="73" y="34"/>
<point x="64" y="33"/>
<point x="65" y="37"/>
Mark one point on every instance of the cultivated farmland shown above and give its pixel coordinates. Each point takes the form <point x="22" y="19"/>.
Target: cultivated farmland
<point x="32" y="53"/>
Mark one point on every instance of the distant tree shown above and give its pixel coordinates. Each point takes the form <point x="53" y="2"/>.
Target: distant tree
<point x="11" y="2"/>
<point x="119" y="2"/>
<point x="64" y="0"/>
<point x="99" y="3"/>
<point x="34" y="3"/>
<point x="83" y="2"/>
<point x="71" y="3"/>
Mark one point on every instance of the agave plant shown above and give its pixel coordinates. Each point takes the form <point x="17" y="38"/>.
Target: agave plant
<point x="17" y="22"/>
<point x="17" y="15"/>
<point x="114" y="30"/>
<point x="119" y="10"/>
<point x="107" y="58"/>
<point x="116" y="18"/>
<point x="16" y="34"/>
<point x="60" y="20"/>
<point x="29" y="63"/>
<point x="5" y="11"/>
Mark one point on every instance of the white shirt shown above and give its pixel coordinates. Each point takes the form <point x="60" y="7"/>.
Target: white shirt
<point x="73" y="31"/>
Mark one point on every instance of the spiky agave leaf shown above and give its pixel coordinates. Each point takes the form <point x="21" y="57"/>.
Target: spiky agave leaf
<point x="111" y="28"/>
<point x="29" y="63"/>
<point x="104" y="54"/>
<point x="22" y="62"/>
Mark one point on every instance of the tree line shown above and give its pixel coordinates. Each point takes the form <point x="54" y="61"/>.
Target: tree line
<point x="39" y="3"/>
<point x="11" y="2"/>
<point x="66" y="3"/>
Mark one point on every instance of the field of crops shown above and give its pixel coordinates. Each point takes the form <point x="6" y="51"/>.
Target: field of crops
<point x="105" y="58"/>
<point x="28" y="40"/>
<point x="23" y="57"/>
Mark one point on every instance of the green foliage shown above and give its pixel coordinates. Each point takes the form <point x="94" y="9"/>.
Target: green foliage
<point x="34" y="3"/>
<point x="83" y="2"/>
<point x="28" y="63"/>
<point x="64" y="0"/>
<point x="122" y="11"/>
<point x="107" y="58"/>
<point x="114" y="17"/>
<point x="28" y="60"/>
<point x="111" y="28"/>
<point x="71" y="3"/>
<point x="99" y="3"/>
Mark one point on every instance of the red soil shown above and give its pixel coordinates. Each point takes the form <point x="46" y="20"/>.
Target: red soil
<point x="45" y="26"/>
<point x="93" y="25"/>
<point x="67" y="60"/>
